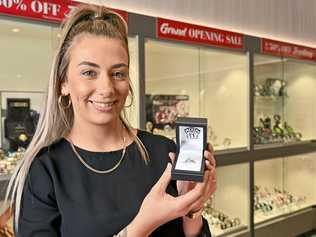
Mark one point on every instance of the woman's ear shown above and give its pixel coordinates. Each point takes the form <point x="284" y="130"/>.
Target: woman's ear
<point x="65" y="88"/>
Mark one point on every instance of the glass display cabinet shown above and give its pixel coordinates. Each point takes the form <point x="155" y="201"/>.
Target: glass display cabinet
<point x="284" y="101"/>
<point x="24" y="84"/>
<point x="196" y="81"/>
<point x="228" y="211"/>
<point x="283" y="186"/>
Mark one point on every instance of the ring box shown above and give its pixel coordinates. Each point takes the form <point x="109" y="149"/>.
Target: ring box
<point x="191" y="134"/>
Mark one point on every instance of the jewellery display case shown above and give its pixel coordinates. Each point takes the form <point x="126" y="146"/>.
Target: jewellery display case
<point x="284" y="101"/>
<point x="283" y="186"/>
<point x="261" y="112"/>
<point x="228" y="211"/>
<point x="132" y="105"/>
<point x="197" y="82"/>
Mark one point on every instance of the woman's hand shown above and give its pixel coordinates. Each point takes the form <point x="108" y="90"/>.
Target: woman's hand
<point x="208" y="187"/>
<point x="159" y="207"/>
<point x="209" y="179"/>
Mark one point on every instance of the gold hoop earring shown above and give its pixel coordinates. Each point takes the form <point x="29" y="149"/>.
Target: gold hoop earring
<point x="131" y="102"/>
<point x="61" y="104"/>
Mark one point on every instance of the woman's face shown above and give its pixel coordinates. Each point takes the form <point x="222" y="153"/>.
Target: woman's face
<point x="97" y="79"/>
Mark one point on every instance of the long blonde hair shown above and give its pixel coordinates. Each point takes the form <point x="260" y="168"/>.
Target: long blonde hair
<point x="55" y="120"/>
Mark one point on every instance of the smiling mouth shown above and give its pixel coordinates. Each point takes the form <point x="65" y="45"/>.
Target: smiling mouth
<point x="103" y="106"/>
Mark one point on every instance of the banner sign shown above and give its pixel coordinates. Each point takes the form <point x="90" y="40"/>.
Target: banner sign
<point x="287" y="50"/>
<point x="175" y="30"/>
<point x="44" y="10"/>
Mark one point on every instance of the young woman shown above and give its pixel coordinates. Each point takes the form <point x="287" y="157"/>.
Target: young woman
<point x="86" y="171"/>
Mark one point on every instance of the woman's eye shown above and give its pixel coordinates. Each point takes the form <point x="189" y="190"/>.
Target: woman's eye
<point x="89" y="73"/>
<point x="119" y="75"/>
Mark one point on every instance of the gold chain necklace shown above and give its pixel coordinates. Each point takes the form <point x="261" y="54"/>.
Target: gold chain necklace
<point x="100" y="171"/>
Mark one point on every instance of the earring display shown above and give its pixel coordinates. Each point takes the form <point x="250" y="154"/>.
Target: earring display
<point x="273" y="202"/>
<point x="219" y="222"/>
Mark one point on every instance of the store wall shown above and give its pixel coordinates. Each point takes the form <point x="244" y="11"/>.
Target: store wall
<point x="26" y="55"/>
<point x="292" y="21"/>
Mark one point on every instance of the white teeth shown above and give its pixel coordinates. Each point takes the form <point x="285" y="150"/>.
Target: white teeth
<point x="102" y="104"/>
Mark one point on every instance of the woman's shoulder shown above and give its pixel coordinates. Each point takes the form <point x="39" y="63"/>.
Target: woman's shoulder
<point x="45" y="152"/>
<point x="49" y="157"/>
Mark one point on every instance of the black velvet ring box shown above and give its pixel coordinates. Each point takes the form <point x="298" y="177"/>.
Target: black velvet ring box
<point x="191" y="136"/>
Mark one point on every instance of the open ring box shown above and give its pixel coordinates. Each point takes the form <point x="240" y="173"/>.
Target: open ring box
<point x="191" y="142"/>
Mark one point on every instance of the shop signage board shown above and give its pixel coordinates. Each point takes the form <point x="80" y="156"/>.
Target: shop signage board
<point x="43" y="10"/>
<point x="283" y="49"/>
<point x="175" y="30"/>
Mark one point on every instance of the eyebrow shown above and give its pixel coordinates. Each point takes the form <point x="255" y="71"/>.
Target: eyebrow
<point x="89" y="64"/>
<point x="119" y="65"/>
<point x="115" y="66"/>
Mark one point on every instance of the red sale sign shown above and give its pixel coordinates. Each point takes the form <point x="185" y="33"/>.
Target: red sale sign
<point x="47" y="10"/>
<point x="175" y="30"/>
<point x="287" y="50"/>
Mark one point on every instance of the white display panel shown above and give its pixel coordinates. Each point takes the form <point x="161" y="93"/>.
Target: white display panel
<point x="132" y="112"/>
<point x="300" y="105"/>
<point x="215" y="82"/>
<point x="231" y="198"/>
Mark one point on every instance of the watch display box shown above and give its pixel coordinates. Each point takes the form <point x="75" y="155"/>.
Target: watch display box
<point x="283" y="186"/>
<point x="227" y="212"/>
<point x="284" y="95"/>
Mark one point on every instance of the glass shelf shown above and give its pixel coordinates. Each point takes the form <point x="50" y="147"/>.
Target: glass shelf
<point x="284" y="101"/>
<point x="283" y="186"/>
<point x="222" y="213"/>
<point x="191" y="81"/>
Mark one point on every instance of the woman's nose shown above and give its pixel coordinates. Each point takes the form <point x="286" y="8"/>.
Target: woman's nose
<point x="105" y="85"/>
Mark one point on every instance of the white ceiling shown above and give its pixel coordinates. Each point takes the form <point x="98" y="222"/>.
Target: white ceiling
<point x="288" y="20"/>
